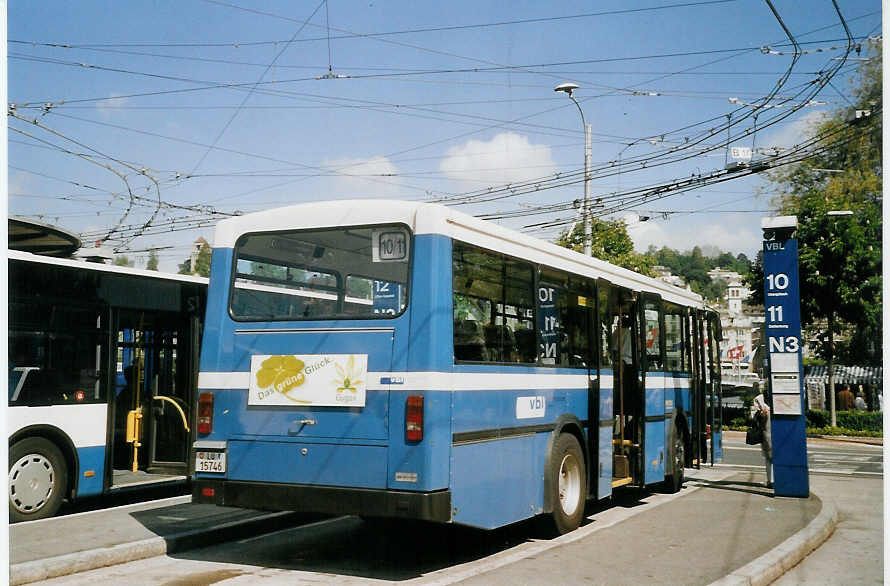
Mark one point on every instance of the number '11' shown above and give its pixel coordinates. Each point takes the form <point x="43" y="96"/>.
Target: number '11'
<point x="775" y="313"/>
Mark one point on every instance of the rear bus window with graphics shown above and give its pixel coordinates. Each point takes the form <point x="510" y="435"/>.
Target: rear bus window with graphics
<point x="337" y="273"/>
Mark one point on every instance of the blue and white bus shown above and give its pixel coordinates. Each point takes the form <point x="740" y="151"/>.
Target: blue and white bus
<point x="402" y="359"/>
<point x="91" y="347"/>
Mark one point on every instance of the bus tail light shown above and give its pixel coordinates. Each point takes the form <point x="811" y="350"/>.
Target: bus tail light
<point x="414" y="418"/>
<point x="205" y="413"/>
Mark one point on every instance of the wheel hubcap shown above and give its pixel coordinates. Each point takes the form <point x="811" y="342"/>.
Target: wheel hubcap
<point x="569" y="484"/>
<point x="31" y="482"/>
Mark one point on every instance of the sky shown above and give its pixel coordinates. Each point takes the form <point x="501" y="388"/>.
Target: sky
<point x="141" y="124"/>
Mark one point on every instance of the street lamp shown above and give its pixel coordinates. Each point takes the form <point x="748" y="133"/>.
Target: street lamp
<point x="833" y="407"/>
<point x="568" y="89"/>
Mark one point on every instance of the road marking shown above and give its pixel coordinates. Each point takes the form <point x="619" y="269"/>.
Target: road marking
<point x="818" y="470"/>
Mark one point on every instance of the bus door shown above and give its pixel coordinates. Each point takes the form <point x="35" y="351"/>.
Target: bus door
<point x="628" y="390"/>
<point x="654" y="434"/>
<point x="690" y="401"/>
<point x="602" y="413"/>
<point x="169" y="397"/>
<point x="715" y="403"/>
<point x="150" y="431"/>
<point x="700" y="383"/>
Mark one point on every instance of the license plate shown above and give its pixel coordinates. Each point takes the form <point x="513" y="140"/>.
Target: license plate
<point x="210" y="461"/>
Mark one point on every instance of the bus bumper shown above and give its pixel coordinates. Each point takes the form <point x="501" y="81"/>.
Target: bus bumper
<point x="424" y="506"/>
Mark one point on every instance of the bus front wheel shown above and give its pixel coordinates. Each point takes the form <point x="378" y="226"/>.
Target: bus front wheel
<point x="568" y="484"/>
<point x="37" y="479"/>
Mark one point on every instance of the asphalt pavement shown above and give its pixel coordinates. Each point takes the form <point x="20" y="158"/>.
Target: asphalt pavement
<point x="723" y="527"/>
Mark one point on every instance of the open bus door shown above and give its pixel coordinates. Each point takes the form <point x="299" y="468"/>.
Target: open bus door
<point x="627" y="439"/>
<point x="153" y="391"/>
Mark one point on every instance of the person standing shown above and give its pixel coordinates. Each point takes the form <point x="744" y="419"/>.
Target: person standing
<point x="845" y="399"/>
<point x="761" y="407"/>
<point x="859" y="403"/>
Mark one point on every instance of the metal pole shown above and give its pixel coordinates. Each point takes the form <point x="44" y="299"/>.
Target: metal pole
<point x="831" y="368"/>
<point x="588" y="237"/>
<point x="585" y="208"/>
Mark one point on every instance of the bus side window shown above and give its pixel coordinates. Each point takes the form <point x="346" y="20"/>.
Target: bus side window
<point x="564" y="308"/>
<point x="607" y="349"/>
<point x="673" y="338"/>
<point x="492" y="299"/>
<point x="652" y="340"/>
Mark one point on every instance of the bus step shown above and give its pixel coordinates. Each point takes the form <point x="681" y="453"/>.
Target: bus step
<point x="620" y="466"/>
<point x="616" y="482"/>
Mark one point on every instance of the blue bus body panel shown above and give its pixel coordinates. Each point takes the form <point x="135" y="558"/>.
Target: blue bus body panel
<point x="233" y="414"/>
<point x="498" y="458"/>
<point x="498" y="482"/>
<point x="603" y="464"/>
<point x="433" y="350"/>
<point x="91" y="458"/>
<point x="308" y="463"/>
<point x="654" y="452"/>
<point x="429" y="459"/>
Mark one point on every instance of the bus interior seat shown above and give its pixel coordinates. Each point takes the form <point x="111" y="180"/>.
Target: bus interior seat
<point x="468" y="343"/>
<point x="500" y="343"/>
<point x="525" y="344"/>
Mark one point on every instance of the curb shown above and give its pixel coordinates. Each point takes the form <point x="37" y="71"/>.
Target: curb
<point x="850" y="439"/>
<point x="73" y="563"/>
<point x="772" y="565"/>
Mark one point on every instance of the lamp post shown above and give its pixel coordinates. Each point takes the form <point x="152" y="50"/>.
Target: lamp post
<point x="568" y="89"/>
<point x="833" y="407"/>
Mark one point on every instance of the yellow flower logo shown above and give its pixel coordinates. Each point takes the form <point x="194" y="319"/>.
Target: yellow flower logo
<point x="282" y="373"/>
<point x="347" y="377"/>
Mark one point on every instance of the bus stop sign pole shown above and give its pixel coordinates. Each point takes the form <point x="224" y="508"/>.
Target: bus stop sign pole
<point x="782" y="309"/>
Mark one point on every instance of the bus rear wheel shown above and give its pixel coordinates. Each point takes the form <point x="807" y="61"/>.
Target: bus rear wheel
<point x="37" y="479"/>
<point x="568" y="484"/>
<point x="674" y="482"/>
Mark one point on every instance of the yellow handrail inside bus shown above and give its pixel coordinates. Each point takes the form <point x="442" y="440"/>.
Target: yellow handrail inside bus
<point x="178" y="408"/>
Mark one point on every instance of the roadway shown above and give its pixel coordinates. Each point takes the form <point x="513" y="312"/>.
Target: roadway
<point x="824" y="456"/>
<point x="348" y="550"/>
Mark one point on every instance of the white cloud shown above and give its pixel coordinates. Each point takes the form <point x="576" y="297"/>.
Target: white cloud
<point x="359" y="178"/>
<point x="795" y="132"/>
<point x="107" y="108"/>
<point x="733" y="234"/>
<point x="506" y="158"/>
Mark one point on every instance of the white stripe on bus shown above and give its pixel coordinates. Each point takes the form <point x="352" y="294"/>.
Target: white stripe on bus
<point x="84" y="423"/>
<point x="441" y="381"/>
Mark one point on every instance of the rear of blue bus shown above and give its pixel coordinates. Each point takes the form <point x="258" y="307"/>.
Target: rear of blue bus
<point x="303" y="403"/>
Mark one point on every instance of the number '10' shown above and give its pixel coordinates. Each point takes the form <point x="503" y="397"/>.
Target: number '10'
<point x="779" y="281"/>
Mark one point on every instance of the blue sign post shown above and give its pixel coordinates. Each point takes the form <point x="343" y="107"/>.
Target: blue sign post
<point x="782" y="308"/>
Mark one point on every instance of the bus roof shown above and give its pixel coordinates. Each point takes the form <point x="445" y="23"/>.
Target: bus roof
<point x="91" y="266"/>
<point x="429" y="218"/>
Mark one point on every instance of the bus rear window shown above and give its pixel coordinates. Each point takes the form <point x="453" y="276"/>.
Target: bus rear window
<point x="353" y="273"/>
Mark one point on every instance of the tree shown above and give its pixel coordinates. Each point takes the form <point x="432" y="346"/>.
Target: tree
<point x="152" y="264"/>
<point x="202" y="263"/>
<point x="609" y="242"/>
<point x="840" y="256"/>
<point x="122" y="260"/>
